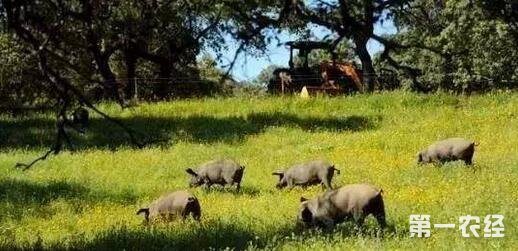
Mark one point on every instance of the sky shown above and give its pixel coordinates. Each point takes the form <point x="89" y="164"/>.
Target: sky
<point x="248" y="67"/>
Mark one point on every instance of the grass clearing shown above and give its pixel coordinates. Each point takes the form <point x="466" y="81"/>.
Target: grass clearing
<point x="87" y="199"/>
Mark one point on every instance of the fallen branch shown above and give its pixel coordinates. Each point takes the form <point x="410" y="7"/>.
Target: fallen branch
<point x="27" y="166"/>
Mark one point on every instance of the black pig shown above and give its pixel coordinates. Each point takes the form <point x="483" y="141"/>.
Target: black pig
<point x="349" y="202"/>
<point x="448" y="150"/>
<point x="306" y="174"/>
<point x="223" y="172"/>
<point x="171" y="206"/>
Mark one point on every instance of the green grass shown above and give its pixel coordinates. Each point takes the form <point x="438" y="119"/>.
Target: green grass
<point x="87" y="199"/>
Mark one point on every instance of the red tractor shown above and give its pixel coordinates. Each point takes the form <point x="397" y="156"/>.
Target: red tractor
<point x="328" y="77"/>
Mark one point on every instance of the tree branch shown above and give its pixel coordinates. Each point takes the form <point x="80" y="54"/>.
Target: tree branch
<point x="24" y="166"/>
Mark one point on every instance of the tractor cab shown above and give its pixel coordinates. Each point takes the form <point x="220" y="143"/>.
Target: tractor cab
<point x="328" y="77"/>
<point x="304" y="48"/>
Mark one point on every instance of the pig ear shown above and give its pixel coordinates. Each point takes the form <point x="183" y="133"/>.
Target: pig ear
<point x="191" y="172"/>
<point x="302" y="199"/>
<point x="280" y="173"/>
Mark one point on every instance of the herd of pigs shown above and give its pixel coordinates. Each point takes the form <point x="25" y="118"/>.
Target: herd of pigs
<point x="334" y="206"/>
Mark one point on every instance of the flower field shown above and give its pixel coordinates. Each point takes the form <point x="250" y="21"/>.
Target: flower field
<point x="87" y="199"/>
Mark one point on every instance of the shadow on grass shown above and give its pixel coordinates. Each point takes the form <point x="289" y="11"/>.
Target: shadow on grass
<point x="24" y="192"/>
<point x="19" y="197"/>
<point x="349" y="229"/>
<point x="215" y="235"/>
<point x="39" y="132"/>
<point x="212" y="235"/>
<point x="245" y="190"/>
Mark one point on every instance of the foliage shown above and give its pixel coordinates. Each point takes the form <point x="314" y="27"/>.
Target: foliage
<point x="84" y="41"/>
<point x="457" y="47"/>
<point x="20" y="84"/>
<point x="506" y="10"/>
<point x="352" y="20"/>
<point x="88" y="199"/>
<point x="266" y="75"/>
<point x="344" y="53"/>
<point x="100" y="47"/>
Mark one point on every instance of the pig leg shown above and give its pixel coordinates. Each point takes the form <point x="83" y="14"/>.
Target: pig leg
<point x="290" y="183"/>
<point x="207" y="185"/>
<point x="434" y="158"/>
<point x="228" y="181"/>
<point x="170" y="216"/>
<point x="327" y="182"/>
<point x="231" y="181"/>
<point x="359" y="218"/>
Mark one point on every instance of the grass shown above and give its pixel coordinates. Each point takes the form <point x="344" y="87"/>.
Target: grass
<point x="87" y="199"/>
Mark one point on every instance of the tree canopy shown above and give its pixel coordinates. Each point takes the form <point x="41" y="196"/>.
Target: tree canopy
<point x="456" y="46"/>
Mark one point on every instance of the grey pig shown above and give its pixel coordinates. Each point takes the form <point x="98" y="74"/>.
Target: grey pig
<point x="306" y="174"/>
<point x="173" y="205"/>
<point x="448" y="150"/>
<point x="221" y="172"/>
<point x="349" y="202"/>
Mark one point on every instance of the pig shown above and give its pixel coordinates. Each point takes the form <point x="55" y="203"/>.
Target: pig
<point x="355" y="202"/>
<point x="179" y="204"/>
<point x="448" y="150"/>
<point x="306" y="174"/>
<point x="223" y="172"/>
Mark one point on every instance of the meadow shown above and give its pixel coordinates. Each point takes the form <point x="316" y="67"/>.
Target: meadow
<point x="87" y="199"/>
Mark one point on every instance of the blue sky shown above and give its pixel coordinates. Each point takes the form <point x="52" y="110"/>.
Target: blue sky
<point x="248" y="67"/>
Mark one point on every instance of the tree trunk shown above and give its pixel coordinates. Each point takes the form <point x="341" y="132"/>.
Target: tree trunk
<point x="369" y="74"/>
<point x="110" y="82"/>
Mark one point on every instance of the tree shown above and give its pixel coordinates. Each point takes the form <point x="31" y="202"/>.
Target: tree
<point x="79" y="41"/>
<point x="456" y="46"/>
<point x="349" y="19"/>
<point x="76" y="41"/>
